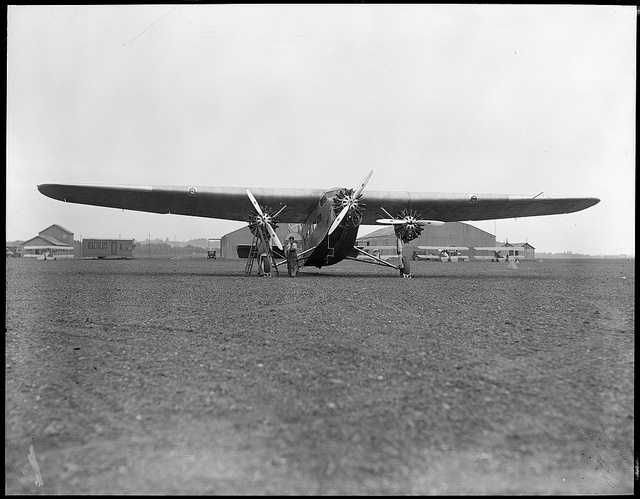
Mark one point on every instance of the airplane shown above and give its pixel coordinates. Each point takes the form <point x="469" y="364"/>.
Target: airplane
<point x="329" y="218"/>
<point x="444" y="253"/>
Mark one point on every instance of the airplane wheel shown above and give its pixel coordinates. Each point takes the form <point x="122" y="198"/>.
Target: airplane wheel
<point x="266" y="266"/>
<point x="407" y="266"/>
<point x="406" y="269"/>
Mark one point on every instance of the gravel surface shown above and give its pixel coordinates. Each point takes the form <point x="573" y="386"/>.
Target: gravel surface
<point x="185" y="376"/>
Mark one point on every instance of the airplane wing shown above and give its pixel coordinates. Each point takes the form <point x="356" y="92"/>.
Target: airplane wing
<point x="229" y="203"/>
<point x="232" y="203"/>
<point x="463" y="207"/>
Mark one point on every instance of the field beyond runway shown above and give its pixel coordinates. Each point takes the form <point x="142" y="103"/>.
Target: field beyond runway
<point x="184" y="376"/>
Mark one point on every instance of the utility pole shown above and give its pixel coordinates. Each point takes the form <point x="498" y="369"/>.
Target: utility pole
<point x="149" y="245"/>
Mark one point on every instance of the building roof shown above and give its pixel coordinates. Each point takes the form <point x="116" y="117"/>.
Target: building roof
<point x="45" y="241"/>
<point x="381" y="232"/>
<point x="59" y="227"/>
<point x="107" y="239"/>
<point x="389" y="231"/>
<point x="282" y="230"/>
<point x="524" y="245"/>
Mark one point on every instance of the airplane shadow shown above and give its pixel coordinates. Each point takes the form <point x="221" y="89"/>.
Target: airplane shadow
<point x="430" y="276"/>
<point x="331" y="275"/>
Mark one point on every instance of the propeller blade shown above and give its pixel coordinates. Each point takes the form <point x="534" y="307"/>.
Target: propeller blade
<point x="362" y="185"/>
<point x="254" y="203"/>
<point x="338" y="219"/>
<point x="278" y="212"/>
<point x="353" y="197"/>
<point x="386" y="212"/>
<point x="390" y="221"/>
<point x="436" y="223"/>
<point x="274" y="236"/>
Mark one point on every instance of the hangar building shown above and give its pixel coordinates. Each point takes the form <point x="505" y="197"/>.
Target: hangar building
<point x="447" y="235"/>
<point x="236" y="244"/>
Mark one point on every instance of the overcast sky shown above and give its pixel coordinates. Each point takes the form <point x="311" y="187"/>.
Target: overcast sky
<point x="487" y="99"/>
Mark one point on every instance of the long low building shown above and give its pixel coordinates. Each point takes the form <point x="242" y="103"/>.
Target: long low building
<point x="524" y="252"/>
<point x="107" y="248"/>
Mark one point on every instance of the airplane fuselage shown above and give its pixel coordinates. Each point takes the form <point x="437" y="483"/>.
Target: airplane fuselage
<point x="330" y="249"/>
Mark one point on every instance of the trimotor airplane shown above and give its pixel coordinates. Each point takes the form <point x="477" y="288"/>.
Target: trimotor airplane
<point x="329" y="218"/>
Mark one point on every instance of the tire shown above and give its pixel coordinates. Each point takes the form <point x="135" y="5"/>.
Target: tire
<point x="266" y="265"/>
<point x="407" y="265"/>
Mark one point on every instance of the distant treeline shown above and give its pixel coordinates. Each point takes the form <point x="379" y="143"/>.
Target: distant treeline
<point x="540" y="254"/>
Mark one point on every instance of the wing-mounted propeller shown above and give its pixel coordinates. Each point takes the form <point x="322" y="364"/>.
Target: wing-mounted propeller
<point x="349" y="202"/>
<point x="408" y="225"/>
<point x="265" y="221"/>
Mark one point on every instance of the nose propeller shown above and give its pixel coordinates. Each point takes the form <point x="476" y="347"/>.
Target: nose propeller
<point x="349" y="202"/>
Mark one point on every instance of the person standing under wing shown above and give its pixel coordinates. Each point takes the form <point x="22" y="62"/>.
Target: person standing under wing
<point x="292" y="257"/>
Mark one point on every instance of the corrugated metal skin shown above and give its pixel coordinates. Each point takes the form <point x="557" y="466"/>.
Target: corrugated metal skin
<point x="231" y="203"/>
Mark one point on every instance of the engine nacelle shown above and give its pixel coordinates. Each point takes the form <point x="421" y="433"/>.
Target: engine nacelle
<point x="408" y="225"/>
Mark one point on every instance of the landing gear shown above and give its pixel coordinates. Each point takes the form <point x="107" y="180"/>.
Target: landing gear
<point x="292" y="263"/>
<point x="260" y="252"/>
<point x="264" y="266"/>
<point x="403" y="262"/>
<point x="405" y="268"/>
<point x="262" y="225"/>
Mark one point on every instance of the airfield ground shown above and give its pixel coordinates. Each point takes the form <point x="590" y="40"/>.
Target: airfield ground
<point x="185" y="376"/>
